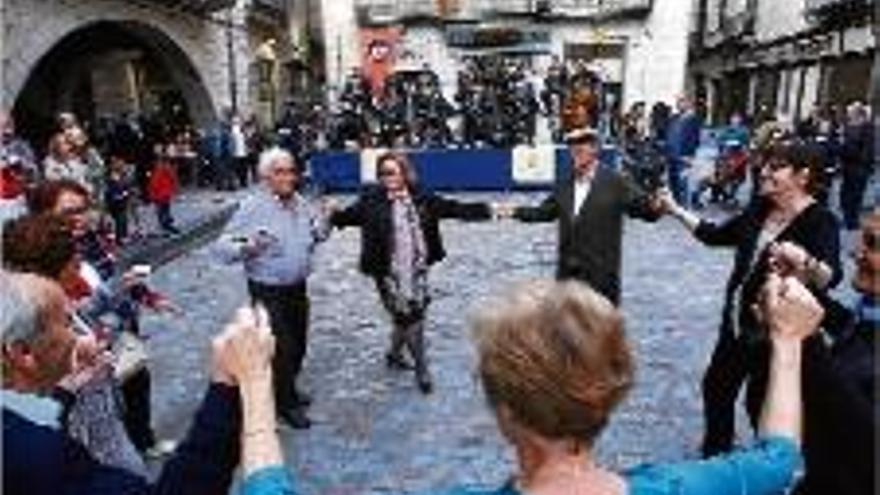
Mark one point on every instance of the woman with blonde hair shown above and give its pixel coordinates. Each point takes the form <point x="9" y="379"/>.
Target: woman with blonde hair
<point x="63" y="162"/>
<point x="555" y="363"/>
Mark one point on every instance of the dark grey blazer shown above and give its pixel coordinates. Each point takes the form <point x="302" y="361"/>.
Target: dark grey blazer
<point x="590" y="241"/>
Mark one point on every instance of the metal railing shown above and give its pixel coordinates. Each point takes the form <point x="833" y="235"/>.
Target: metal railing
<point x="202" y="6"/>
<point x="401" y="9"/>
<point x="566" y="8"/>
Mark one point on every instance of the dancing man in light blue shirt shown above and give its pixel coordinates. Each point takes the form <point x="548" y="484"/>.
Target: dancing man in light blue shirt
<point x="274" y="234"/>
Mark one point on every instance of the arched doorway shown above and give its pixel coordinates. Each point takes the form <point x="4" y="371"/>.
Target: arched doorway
<point x="106" y="70"/>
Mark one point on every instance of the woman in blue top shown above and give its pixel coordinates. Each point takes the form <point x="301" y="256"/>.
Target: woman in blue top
<point x="554" y="363"/>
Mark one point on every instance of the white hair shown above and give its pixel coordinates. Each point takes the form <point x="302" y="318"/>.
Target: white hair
<point x="270" y="157"/>
<point x="19" y="311"/>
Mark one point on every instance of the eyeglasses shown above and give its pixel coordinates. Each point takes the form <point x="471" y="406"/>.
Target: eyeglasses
<point x="73" y="211"/>
<point x="775" y="165"/>
<point x="388" y="173"/>
<point x="871" y="240"/>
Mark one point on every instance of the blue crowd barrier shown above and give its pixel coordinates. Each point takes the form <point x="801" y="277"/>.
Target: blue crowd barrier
<point x="445" y="169"/>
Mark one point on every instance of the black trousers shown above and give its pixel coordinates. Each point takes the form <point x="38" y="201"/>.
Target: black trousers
<point x="136" y="411"/>
<point x="119" y="214"/>
<point x="241" y="170"/>
<point x="852" y="195"/>
<point x="735" y="360"/>
<point x="288" y="308"/>
<point x="163" y="215"/>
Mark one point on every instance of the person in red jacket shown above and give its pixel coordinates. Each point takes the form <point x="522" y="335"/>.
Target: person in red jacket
<point x="162" y="189"/>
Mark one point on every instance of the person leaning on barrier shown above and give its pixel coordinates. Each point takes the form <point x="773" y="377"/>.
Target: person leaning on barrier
<point x="554" y="362"/>
<point x="39" y="348"/>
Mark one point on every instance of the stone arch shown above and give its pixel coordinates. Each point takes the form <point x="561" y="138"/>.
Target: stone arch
<point x="74" y="50"/>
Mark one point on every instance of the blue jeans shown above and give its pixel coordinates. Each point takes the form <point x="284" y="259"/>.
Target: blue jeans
<point x="678" y="182"/>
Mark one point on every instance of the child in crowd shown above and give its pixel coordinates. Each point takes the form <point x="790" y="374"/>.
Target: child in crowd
<point x="118" y="195"/>
<point x="162" y="189"/>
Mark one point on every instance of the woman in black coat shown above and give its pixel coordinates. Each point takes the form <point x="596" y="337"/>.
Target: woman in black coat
<point x="400" y="240"/>
<point x="784" y="217"/>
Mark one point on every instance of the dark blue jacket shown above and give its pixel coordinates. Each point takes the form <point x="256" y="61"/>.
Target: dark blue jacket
<point x="39" y="460"/>
<point x="683" y="135"/>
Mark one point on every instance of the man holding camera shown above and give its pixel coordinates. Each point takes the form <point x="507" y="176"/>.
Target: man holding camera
<point x="274" y="233"/>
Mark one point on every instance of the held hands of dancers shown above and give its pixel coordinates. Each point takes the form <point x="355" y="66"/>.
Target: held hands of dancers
<point x="663" y="202"/>
<point x="789" y="259"/>
<point x="502" y="210"/>
<point x="243" y="352"/>
<point x="788" y="310"/>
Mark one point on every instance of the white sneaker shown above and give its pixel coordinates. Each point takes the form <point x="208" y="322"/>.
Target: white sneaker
<point x="160" y="449"/>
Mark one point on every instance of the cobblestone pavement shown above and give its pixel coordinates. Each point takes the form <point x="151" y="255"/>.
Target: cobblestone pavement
<point x="374" y="432"/>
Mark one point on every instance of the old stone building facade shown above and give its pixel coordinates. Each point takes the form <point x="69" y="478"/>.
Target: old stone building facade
<point x="191" y="59"/>
<point x="639" y="46"/>
<point x="783" y="58"/>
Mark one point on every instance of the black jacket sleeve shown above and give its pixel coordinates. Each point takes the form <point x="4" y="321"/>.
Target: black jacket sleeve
<point x="637" y="202"/>
<point x="450" y="208"/>
<point x="351" y="216"/>
<point x="823" y="243"/>
<point x="206" y="460"/>
<point x="728" y="233"/>
<point x="547" y="211"/>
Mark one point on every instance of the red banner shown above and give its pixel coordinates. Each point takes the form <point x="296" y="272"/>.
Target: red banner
<point x="379" y="54"/>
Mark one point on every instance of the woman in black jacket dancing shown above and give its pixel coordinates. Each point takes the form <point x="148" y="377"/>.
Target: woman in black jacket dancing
<point x="400" y="240"/>
<point x="784" y="217"/>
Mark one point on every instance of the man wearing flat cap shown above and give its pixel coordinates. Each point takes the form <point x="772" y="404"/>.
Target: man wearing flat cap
<point x="589" y="205"/>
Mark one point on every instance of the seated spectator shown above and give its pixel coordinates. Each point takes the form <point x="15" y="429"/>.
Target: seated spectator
<point x="554" y="363"/>
<point x="40" y="348"/>
<point x="73" y="202"/>
<point x="42" y="245"/>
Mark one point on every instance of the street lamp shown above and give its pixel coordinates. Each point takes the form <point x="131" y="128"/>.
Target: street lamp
<point x="230" y="55"/>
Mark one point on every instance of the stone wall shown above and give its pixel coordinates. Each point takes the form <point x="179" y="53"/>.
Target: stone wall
<point x="194" y="47"/>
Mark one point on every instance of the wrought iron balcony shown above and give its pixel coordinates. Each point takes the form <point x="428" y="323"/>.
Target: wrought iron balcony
<point x="389" y="11"/>
<point x="569" y="8"/>
<point x="199" y="6"/>
<point x="268" y="11"/>
<point x="838" y="12"/>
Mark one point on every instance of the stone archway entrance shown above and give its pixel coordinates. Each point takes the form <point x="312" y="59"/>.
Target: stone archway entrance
<point x="108" y="69"/>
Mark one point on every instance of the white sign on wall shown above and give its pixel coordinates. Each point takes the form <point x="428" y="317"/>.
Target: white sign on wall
<point x="368" y="164"/>
<point x="533" y="164"/>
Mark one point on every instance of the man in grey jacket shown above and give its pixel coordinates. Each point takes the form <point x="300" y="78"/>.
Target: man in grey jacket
<point x="274" y="234"/>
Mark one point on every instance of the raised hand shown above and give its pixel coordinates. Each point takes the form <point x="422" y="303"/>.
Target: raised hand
<point x="243" y="352"/>
<point x="788" y="308"/>
<point x="502" y="210"/>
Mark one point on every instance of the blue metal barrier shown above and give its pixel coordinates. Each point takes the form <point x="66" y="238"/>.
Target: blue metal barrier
<point x="445" y="169"/>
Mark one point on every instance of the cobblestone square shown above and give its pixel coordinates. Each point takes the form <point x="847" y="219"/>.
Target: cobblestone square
<point x="374" y="432"/>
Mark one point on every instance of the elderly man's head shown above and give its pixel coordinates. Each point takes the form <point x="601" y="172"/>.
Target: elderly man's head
<point x="867" y="256"/>
<point x="36" y="333"/>
<point x="279" y="171"/>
